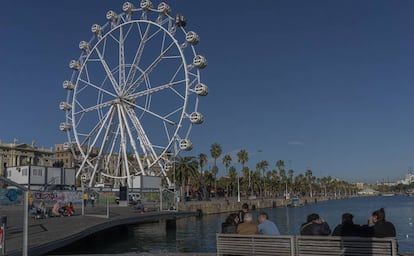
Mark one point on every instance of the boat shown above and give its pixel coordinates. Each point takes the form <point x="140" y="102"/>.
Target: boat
<point x="295" y="202"/>
<point x="387" y="194"/>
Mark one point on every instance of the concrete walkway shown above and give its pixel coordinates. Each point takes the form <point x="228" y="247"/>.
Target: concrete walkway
<point x="46" y="235"/>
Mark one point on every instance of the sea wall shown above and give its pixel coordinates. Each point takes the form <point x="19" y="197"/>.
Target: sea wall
<point x="221" y="205"/>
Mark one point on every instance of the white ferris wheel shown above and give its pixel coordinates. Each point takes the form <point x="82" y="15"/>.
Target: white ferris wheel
<point x="133" y="95"/>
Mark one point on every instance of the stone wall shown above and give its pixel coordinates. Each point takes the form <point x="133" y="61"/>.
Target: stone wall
<point x="221" y="205"/>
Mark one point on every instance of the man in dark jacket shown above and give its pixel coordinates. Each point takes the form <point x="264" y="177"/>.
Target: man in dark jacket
<point x="347" y="228"/>
<point x="378" y="226"/>
<point x="315" y="226"/>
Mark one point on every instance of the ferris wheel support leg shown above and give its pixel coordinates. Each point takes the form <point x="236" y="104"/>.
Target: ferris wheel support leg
<point x="131" y="138"/>
<point x="123" y="144"/>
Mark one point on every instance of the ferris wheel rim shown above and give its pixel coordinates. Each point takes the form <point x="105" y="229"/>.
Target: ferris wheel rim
<point x="126" y="108"/>
<point x="86" y="59"/>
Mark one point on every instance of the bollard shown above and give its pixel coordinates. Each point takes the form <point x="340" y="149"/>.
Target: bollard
<point x="170" y="224"/>
<point x="3" y="225"/>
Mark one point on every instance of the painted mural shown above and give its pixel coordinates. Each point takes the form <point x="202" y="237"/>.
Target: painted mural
<point x="11" y="196"/>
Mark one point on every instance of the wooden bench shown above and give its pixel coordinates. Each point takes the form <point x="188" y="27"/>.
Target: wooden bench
<point x="346" y="246"/>
<point x="233" y="244"/>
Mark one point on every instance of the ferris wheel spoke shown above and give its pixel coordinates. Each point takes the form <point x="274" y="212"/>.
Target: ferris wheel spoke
<point x="123" y="144"/>
<point x="101" y="127"/>
<point x="98" y="126"/>
<point x="111" y="151"/>
<point x="138" y="54"/>
<point x="155" y="89"/>
<point x="98" y="88"/>
<point x="174" y="112"/>
<point x="132" y="140"/>
<point x="151" y="67"/>
<point x="104" y="143"/>
<point x="96" y="107"/>
<point x="108" y="72"/>
<point x="121" y="59"/>
<point x="145" y="142"/>
<point x="152" y="113"/>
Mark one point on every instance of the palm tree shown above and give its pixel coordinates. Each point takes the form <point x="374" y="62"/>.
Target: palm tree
<point x="283" y="177"/>
<point x="233" y="178"/>
<point x="215" y="151"/>
<point x="186" y="168"/>
<point x="243" y="157"/>
<point x="280" y="164"/>
<point x="262" y="166"/>
<point x="227" y="161"/>
<point x="290" y="174"/>
<point x="202" y="159"/>
<point x="309" y="179"/>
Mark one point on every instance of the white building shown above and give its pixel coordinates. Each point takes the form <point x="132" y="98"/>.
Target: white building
<point x="40" y="177"/>
<point x="408" y="179"/>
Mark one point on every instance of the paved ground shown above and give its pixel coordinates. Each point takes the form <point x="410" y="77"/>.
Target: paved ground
<point x="55" y="232"/>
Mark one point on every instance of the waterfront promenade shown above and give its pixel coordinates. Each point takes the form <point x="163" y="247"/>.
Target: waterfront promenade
<point x="46" y="235"/>
<point x="49" y="234"/>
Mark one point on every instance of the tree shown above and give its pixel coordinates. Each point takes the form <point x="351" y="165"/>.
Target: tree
<point x="233" y="178"/>
<point x="186" y="168"/>
<point x="227" y="161"/>
<point x="203" y="159"/>
<point x="280" y="165"/>
<point x="309" y="180"/>
<point x="215" y="151"/>
<point x="243" y="157"/>
<point x="290" y="174"/>
<point x="262" y="166"/>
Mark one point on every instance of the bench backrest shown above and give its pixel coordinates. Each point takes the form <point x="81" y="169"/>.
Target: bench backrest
<point x="347" y="246"/>
<point x="234" y="244"/>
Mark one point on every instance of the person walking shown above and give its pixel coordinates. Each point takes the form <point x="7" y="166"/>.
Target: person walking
<point x="243" y="211"/>
<point x="266" y="227"/>
<point x="247" y="227"/>
<point x="347" y="227"/>
<point x="93" y="200"/>
<point x="85" y="199"/>
<point x="315" y="226"/>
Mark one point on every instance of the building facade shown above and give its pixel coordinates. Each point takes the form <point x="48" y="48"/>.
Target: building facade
<point x="18" y="154"/>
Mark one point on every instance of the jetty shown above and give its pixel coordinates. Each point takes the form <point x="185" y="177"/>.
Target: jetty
<point x="46" y="235"/>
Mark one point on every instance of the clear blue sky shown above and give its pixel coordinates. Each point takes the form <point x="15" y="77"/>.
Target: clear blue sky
<point x="327" y="85"/>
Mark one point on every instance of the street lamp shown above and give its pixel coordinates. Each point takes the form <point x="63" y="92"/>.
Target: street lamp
<point x="238" y="189"/>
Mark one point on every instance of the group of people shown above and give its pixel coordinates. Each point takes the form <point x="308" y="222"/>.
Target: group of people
<point x="59" y="210"/>
<point x="87" y="198"/>
<point x="242" y="223"/>
<point x="377" y="225"/>
<point x="39" y="211"/>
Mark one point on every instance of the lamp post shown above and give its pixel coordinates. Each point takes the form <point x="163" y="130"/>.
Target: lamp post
<point x="238" y="189"/>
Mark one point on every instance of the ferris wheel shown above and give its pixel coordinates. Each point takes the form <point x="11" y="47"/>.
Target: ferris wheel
<point x="133" y="95"/>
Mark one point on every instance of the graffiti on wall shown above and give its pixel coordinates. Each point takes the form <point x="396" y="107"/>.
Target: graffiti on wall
<point x="11" y="196"/>
<point x="52" y="197"/>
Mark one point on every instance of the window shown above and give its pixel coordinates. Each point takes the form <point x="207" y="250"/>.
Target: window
<point x="24" y="172"/>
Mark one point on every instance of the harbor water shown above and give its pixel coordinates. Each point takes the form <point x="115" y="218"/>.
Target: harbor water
<point x="198" y="234"/>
